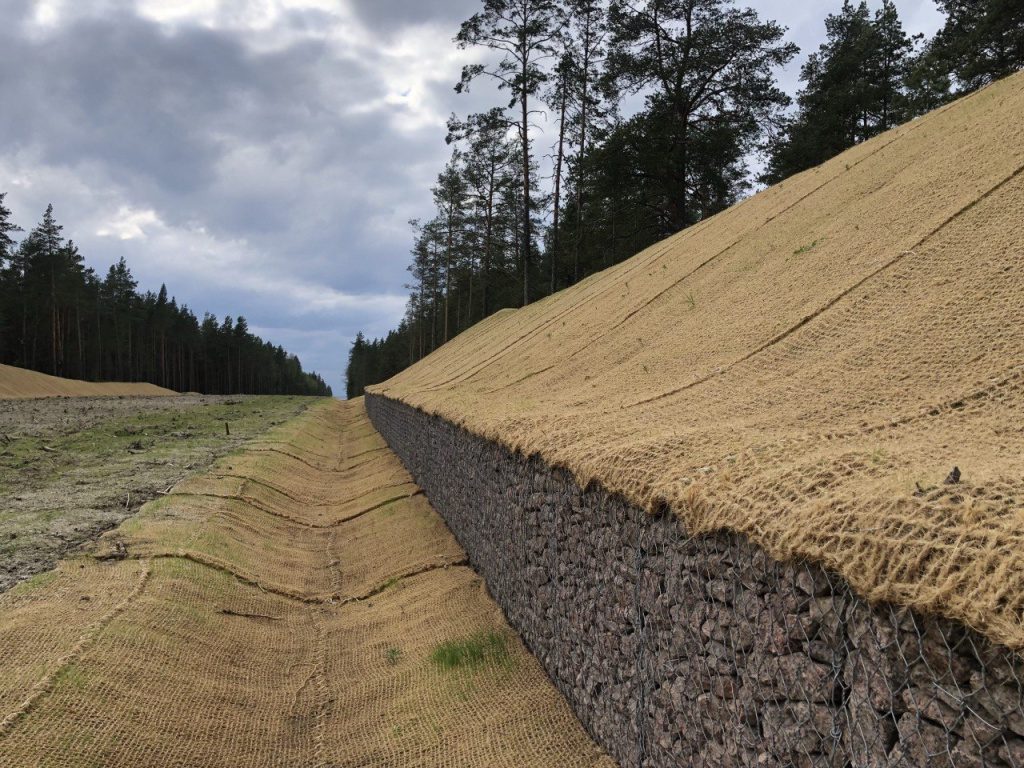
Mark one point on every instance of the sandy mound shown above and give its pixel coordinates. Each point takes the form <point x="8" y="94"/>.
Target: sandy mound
<point x="18" y="382"/>
<point x="806" y="367"/>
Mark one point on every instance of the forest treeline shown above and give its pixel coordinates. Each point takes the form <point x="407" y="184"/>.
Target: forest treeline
<point x="704" y="72"/>
<point x="58" y="316"/>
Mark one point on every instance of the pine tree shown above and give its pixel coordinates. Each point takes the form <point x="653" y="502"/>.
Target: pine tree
<point x="118" y="292"/>
<point x="981" y="41"/>
<point x="488" y="169"/>
<point x="890" y="59"/>
<point x="47" y="267"/>
<point x="523" y="32"/>
<point x="709" y="71"/>
<point x="8" y="281"/>
<point x="558" y="97"/>
<point x="588" y="33"/>
<point x="6" y="227"/>
<point x="355" y="372"/>
<point x="450" y="199"/>
<point x="854" y="89"/>
<point x="927" y="86"/>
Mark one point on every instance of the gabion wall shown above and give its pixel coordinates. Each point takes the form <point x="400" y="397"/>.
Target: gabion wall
<point x="683" y="651"/>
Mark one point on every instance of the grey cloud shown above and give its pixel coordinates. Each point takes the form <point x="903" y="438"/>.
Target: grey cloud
<point x="387" y="16"/>
<point x="156" y="118"/>
<point x="123" y="91"/>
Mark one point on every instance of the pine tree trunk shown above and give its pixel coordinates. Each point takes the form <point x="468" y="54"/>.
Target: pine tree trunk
<point x="54" y="324"/>
<point x="578" y="245"/>
<point x="81" y="354"/>
<point x="447" y="276"/>
<point x="525" y="133"/>
<point x="558" y="185"/>
<point x="488" y="240"/>
<point x="469" y="299"/>
<point x="422" y="320"/>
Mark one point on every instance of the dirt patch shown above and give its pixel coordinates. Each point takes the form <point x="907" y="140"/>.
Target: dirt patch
<point x="73" y="467"/>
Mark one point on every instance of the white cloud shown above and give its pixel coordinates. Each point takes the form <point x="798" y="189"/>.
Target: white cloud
<point x="415" y="62"/>
<point x="194" y="11"/>
<point x="263" y="25"/>
<point x="47" y="13"/>
<point x="129" y="223"/>
<point x="233" y="267"/>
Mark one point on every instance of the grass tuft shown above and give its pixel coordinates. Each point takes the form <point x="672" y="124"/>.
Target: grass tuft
<point x="806" y="248"/>
<point x="478" y="649"/>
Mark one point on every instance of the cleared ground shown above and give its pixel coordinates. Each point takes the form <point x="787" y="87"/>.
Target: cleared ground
<point x="73" y="467"/>
<point x="298" y="605"/>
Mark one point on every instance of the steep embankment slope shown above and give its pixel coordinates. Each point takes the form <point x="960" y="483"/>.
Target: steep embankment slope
<point x="18" y="382"/>
<point x="805" y="368"/>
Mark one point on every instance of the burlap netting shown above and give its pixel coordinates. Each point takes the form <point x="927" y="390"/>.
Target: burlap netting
<point x="18" y="382"/>
<point x="806" y="368"/>
<point x="278" y="611"/>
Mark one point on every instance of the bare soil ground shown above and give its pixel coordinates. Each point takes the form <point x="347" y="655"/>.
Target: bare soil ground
<point x="74" y="467"/>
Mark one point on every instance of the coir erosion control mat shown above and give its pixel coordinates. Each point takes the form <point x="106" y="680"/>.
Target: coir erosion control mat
<point x="299" y="605"/>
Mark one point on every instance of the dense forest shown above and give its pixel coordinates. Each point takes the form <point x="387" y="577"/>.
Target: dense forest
<point x="59" y="317"/>
<point x="711" y="113"/>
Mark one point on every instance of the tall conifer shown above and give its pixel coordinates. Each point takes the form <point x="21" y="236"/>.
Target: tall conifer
<point x="522" y="32"/>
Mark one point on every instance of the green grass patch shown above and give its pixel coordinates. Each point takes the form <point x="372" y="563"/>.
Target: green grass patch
<point x="805" y="248"/>
<point x="70" y="675"/>
<point x="35" y="582"/>
<point x="484" y="648"/>
<point x="47" y="515"/>
<point x="160" y="432"/>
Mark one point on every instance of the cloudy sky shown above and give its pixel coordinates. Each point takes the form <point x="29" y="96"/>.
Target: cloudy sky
<point x="260" y="157"/>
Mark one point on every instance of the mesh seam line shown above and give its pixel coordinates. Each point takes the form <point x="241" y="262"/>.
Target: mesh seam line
<point x="300" y="459"/>
<point x="46" y="685"/>
<point x="335" y="599"/>
<point x="252" y="502"/>
<point x="838" y="297"/>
